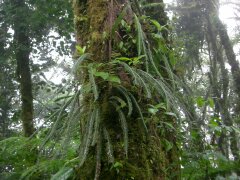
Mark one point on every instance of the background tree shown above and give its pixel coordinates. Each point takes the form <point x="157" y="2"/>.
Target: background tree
<point x="202" y="24"/>
<point x="30" y="28"/>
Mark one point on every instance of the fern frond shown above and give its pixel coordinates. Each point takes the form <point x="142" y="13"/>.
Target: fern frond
<point x="138" y="80"/>
<point x="169" y="70"/>
<point x="123" y="122"/>
<point x="125" y="130"/>
<point x="96" y="133"/>
<point x="144" y="86"/>
<point x="141" y="119"/>
<point x="71" y="128"/>
<point x="108" y="146"/>
<point x="130" y="71"/>
<point x="74" y="111"/>
<point x="98" y="156"/>
<point x="140" y="35"/>
<point x="118" y="20"/>
<point x="159" y="85"/>
<point x="87" y="137"/>
<point x="79" y="61"/>
<point x="59" y="117"/>
<point x="141" y="38"/>
<point x="124" y="92"/>
<point x="150" y="58"/>
<point x="93" y="83"/>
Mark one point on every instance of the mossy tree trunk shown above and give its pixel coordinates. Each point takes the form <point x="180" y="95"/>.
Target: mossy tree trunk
<point x="22" y="53"/>
<point x="148" y="156"/>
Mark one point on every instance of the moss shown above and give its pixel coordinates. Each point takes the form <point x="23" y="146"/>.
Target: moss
<point x="147" y="157"/>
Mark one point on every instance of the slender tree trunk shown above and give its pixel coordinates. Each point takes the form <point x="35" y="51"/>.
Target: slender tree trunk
<point x="22" y="53"/>
<point x="147" y="157"/>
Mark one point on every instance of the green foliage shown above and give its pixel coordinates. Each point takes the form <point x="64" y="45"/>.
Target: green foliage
<point x="208" y="164"/>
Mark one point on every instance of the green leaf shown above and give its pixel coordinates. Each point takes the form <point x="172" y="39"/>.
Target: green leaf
<point x="118" y="165"/>
<point x="113" y="78"/>
<point x="123" y="59"/>
<point x="156" y="24"/>
<point x="168" y="145"/>
<point x="213" y="123"/>
<point x="152" y="110"/>
<point x="211" y="102"/>
<point x="173" y="60"/>
<point x="80" y="50"/>
<point x="161" y="106"/>
<point x="103" y="75"/>
<point x="200" y="101"/>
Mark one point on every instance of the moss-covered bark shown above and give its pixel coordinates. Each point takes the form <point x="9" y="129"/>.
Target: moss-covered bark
<point x="148" y="155"/>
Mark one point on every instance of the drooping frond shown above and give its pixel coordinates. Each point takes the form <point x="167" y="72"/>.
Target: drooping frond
<point x="98" y="157"/>
<point x="125" y="93"/>
<point x="97" y="129"/>
<point x="109" y="148"/>
<point x="141" y="119"/>
<point x="59" y="117"/>
<point x="86" y="142"/>
<point x="124" y="126"/>
<point x="93" y="83"/>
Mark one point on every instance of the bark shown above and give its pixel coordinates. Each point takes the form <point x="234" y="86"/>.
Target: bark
<point x="22" y="53"/>
<point x="147" y="157"/>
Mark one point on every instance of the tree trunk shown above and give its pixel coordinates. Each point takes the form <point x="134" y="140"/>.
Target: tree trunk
<point x="22" y="53"/>
<point x="134" y="153"/>
<point x="228" y="47"/>
<point x="222" y="101"/>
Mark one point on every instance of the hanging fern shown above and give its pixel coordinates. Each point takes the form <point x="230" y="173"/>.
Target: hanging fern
<point x="123" y="122"/>
<point x="109" y="148"/>
<point x="104" y="86"/>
